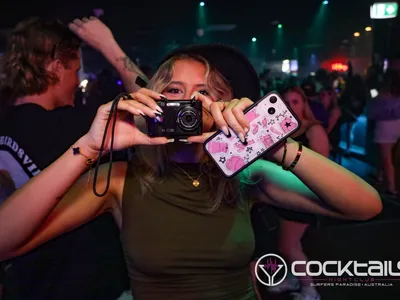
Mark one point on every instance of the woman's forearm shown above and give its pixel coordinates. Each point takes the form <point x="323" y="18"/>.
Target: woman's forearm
<point x="340" y="189"/>
<point x="24" y="211"/>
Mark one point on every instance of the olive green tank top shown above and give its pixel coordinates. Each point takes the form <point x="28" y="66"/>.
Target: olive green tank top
<point x="174" y="251"/>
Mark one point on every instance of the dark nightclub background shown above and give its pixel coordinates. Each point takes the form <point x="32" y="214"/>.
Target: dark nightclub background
<point x="312" y="31"/>
<point x="315" y="33"/>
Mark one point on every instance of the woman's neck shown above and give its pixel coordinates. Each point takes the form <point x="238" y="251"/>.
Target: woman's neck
<point x="187" y="154"/>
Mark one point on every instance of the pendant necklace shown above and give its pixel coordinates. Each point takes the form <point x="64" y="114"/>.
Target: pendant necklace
<point x="195" y="182"/>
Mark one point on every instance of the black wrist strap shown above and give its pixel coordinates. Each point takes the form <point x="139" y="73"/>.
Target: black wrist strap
<point x="113" y="112"/>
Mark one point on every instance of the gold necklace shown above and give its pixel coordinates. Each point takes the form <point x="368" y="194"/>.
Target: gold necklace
<point x="195" y="182"/>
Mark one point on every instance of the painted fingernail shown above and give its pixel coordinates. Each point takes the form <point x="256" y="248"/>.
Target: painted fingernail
<point x="184" y="141"/>
<point x="157" y="113"/>
<point x="170" y="140"/>
<point x="159" y="109"/>
<point x="246" y="130"/>
<point x="241" y="137"/>
<point x="225" y="130"/>
<point x="163" y="97"/>
<point x="142" y="113"/>
<point x="193" y="96"/>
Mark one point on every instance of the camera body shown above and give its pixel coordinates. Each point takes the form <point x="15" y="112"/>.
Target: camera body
<point x="181" y="118"/>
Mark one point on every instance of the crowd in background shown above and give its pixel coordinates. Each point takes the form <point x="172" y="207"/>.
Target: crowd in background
<point x="324" y="102"/>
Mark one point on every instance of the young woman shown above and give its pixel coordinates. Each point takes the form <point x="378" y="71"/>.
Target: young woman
<point x="385" y="111"/>
<point x="329" y="100"/>
<point x="183" y="240"/>
<point x="293" y="224"/>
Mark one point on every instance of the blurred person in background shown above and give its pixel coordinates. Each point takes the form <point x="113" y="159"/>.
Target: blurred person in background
<point x="352" y="103"/>
<point x="317" y="108"/>
<point x="41" y="68"/>
<point x="329" y="100"/>
<point x="7" y="187"/>
<point x="385" y="111"/>
<point x="294" y="224"/>
<point x="322" y="79"/>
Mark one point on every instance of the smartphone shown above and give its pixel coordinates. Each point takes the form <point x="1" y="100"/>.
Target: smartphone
<point x="271" y="121"/>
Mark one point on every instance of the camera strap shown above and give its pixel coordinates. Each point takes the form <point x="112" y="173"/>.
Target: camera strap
<point x="113" y="112"/>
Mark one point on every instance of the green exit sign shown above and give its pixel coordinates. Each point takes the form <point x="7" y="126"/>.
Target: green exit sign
<point x="384" y="10"/>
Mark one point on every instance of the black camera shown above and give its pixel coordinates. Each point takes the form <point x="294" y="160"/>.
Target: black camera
<point x="181" y="118"/>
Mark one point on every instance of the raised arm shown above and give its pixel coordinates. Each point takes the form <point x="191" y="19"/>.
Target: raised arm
<point x="99" y="36"/>
<point x="316" y="185"/>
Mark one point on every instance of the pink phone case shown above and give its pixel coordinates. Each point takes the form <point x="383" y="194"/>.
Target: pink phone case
<point x="266" y="131"/>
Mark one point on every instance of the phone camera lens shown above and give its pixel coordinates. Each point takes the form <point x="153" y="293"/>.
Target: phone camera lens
<point x="273" y="99"/>
<point x="271" y="110"/>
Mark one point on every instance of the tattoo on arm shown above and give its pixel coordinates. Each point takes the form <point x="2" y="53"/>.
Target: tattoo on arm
<point x="130" y="66"/>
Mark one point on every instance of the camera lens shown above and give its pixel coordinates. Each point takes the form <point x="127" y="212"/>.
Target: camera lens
<point x="273" y="99"/>
<point x="188" y="118"/>
<point x="271" y="110"/>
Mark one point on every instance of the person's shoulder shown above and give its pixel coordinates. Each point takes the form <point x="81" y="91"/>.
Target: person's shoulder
<point x="72" y="121"/>
<point x="82" y="114"/>
<point x="336" y="111"/>
<point x="315" y="129"/>
<point x="25" y="111"/>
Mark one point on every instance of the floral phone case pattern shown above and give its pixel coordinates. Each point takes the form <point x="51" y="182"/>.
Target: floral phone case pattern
<point x="266" y="130"/>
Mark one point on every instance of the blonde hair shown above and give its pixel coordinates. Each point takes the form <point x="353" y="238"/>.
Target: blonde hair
<point x="307" y="112"/>
<point x="152" y="163"/>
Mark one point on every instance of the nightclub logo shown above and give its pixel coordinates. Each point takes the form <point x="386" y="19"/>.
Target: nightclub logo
<point x="271" y="269"/>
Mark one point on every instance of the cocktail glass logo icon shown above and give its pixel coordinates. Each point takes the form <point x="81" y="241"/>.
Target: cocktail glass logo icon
<point x="271" y="269"/>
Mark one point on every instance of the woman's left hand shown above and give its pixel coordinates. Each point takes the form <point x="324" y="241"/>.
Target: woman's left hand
<point x="227" y="115"/>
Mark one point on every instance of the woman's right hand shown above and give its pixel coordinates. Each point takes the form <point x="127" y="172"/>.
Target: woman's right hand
<point x="126" y="133"/>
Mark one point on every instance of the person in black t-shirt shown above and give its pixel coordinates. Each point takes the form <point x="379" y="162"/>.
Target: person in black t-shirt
<point x="7" y="187"/>
<point x="41" y="75"/>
